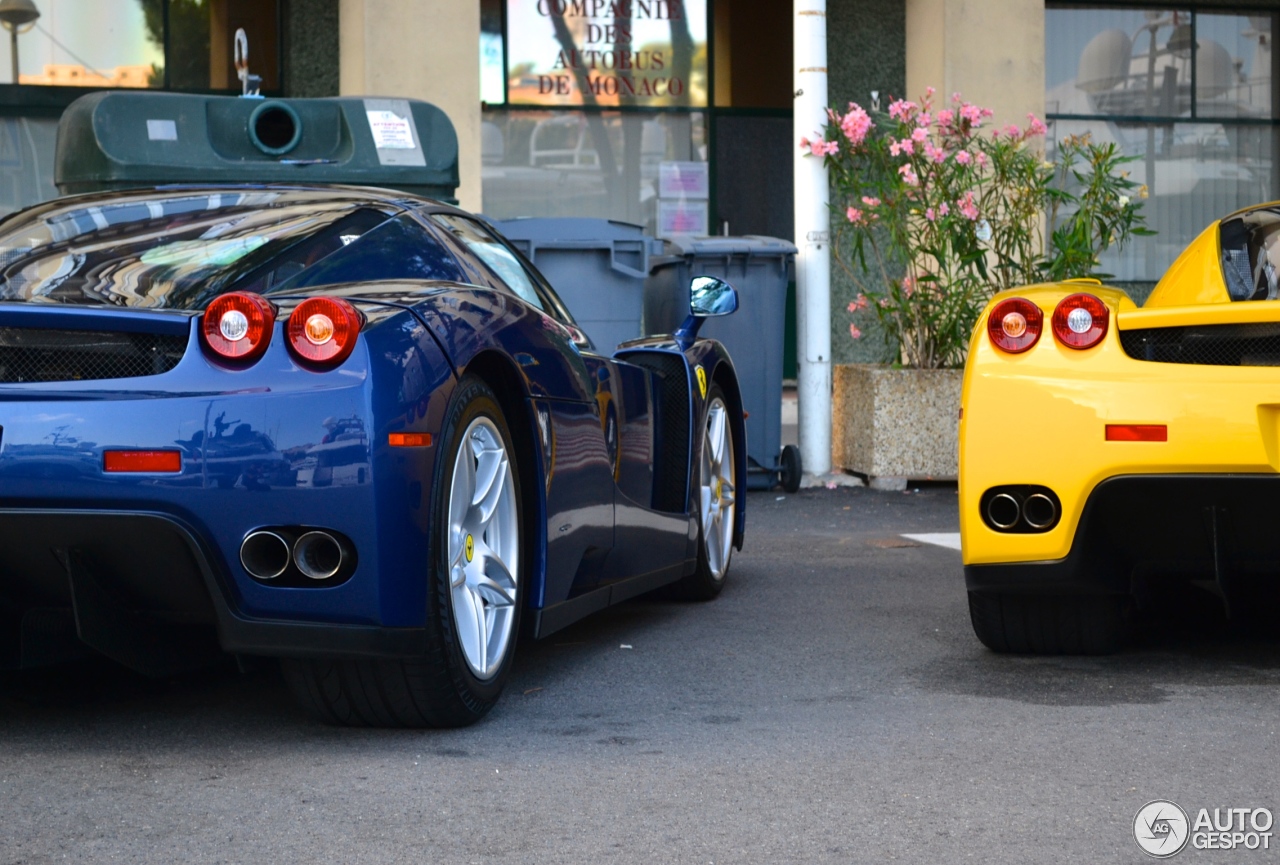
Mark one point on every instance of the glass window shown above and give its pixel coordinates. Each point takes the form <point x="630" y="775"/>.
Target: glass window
<point x="398" y="249"/>
<point x="598" y="164"/>
<point x="570" y="52"/>
<point x="1188" y="93"/>
<point x="121" y="43"/>
<point x="512" y="269"/>
<point x="156" y="250"/>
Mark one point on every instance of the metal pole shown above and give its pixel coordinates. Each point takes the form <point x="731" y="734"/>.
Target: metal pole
<point x="813" y="230"/>
<point x="13" y="51"/>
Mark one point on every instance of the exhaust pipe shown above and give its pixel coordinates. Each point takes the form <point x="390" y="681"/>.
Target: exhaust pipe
<point x="264" y="554"/>
<point x="319" y="555"/>
<point x="1039" y="511"/>
<point x="1003" y="511"/>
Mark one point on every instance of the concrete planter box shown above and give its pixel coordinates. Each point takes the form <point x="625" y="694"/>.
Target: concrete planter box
<point x="895" y="425"/>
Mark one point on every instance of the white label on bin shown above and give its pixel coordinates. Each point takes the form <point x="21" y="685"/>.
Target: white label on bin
<point x="162" y="130"/>
<point x="394" y="133"/>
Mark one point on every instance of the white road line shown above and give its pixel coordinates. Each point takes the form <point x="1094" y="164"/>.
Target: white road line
<point x="950" y="540"/>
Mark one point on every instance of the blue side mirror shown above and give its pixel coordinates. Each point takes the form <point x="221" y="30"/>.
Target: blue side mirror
<point x="708" y="296"/>
<point x="711" y="296"/>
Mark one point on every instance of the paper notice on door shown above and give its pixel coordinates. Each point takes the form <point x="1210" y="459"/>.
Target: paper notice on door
<point x="394" y="134"/>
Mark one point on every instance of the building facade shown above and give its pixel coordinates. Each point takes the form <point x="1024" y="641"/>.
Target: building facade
<point x="676" y="114"/>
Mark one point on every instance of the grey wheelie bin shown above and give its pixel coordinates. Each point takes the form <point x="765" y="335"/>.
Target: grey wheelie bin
<point x="597" y="266"/>
<point x="760" y="269"/>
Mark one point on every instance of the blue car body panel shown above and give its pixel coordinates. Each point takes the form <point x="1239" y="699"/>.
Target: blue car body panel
<point x="615" y="443"/>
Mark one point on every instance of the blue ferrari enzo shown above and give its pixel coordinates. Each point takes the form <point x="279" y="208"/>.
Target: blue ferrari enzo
<point x="350" y="428"/>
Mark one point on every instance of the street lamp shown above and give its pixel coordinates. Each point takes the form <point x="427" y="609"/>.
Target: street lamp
<point x="17" y="16"/>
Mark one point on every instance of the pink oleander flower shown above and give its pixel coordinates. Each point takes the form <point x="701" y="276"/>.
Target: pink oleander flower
<point x="981" y="159"/>
<point x="968" y="207"/>
<point x="856" y="124"/>
<point x="946" y="117"/>
<point x="943" y="209"/>
<point x="937" y="154"/>
<point x="894" y="148"/>
<point x="971" y="113"/>
<point x="908" y="286"/>
<point x="900" y="109"/>
<point x="854" y="332"/>
<point x="860" y="302"/>
<point x="907" y="146"/>
<point x="908" y="175"/>
<point x="1011" y="130"/>
<point x="928" y="92"/>
<point x="818" y="147"/>
<point x="955" y="97"/>
<point x="929" y="214"/>
<point x="924" y="119"/>
<point x="964" y="157"/>
<point x="1035" y="127"/>
<point x="919" y="135"/>
<point x="854" y="215"/>
<point x="870" y="201"/>
<point x="884" y="303"/>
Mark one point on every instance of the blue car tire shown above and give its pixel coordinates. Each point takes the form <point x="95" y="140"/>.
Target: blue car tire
<point x="474" y="536"/>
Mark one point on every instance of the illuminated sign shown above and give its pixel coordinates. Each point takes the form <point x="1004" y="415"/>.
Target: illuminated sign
<point x="607" y="52"/>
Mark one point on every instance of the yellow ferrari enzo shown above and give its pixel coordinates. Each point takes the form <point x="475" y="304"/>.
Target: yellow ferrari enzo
<point x="1105" y="448"/>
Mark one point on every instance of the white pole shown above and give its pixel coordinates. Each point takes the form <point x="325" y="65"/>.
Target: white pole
<point x="813" y="230"/>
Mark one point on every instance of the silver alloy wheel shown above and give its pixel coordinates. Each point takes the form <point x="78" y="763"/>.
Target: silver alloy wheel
<point x="718" y="492"/>
<point x="484" y="547"/>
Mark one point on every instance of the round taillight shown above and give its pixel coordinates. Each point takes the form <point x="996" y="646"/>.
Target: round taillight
<point x="237" y="326"/>
<point x="1080" y="321"/>
<point x="323" y="330"/>
<point x="1014" y="324"/>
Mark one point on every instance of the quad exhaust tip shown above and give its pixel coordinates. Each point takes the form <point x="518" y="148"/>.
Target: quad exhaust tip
<point x="265" y="554"/>
<point x="1039" y="511"/>
<point x="1004" y="511"/>
<point x="318" y="555"/>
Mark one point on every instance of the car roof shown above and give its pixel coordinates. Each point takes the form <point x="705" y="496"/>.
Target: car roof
<point x="290" y="194"/>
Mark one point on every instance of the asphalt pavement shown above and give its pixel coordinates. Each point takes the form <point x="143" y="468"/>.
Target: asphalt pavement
<point x="831" y="706"/>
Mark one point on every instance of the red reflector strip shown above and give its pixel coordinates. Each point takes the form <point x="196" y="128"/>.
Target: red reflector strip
<point x="409" y="440"/>
<point x="1133" y="432"/>
<point x="142" y="461"/>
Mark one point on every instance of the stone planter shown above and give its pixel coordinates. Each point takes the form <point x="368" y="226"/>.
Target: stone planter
<point x="895" y="425"/>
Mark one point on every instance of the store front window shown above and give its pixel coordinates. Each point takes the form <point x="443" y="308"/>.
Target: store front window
<point x="1189" y="92"/>
<point x="597" y="108"/>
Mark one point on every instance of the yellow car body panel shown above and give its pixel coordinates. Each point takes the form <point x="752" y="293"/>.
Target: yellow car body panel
<point x="1039" y="417"/>
<point x="1195" y="277"/>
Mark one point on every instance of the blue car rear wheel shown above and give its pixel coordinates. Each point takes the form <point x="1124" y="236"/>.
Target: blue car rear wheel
<point x="474" y="592"/>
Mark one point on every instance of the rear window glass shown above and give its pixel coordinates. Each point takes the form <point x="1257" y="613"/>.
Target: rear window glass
<point x="183" y="248"/>
<point x="1251" y="255"/>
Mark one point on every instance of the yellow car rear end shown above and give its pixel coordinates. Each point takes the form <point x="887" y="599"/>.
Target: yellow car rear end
<point x="1116" y="448"/>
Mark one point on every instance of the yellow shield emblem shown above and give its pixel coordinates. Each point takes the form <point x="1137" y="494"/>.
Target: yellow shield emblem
<point x="702" y="380"/>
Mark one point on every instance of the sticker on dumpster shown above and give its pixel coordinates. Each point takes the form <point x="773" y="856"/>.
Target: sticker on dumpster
<point x="394" y="135"/>
<point x="162" y="130"/>
<point x="702" y="380"/>
<point x="390" y="130"/>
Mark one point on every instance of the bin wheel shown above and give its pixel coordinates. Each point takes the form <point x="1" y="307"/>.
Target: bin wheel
<point x="791" y="468"/>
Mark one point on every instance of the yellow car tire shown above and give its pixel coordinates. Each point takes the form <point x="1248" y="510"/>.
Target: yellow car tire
<point x="1048" y="625"/>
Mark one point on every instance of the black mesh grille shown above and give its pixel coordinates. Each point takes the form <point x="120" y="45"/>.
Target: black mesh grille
<point x="670" y="486"/>
<point x="31" y="354"/>
<point x="1211" y="345"/>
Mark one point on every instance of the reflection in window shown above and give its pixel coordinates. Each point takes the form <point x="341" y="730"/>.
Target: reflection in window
<point x="121" y="43"/>
<point x="1188" y="93"/>
<point x="575" y="163"/>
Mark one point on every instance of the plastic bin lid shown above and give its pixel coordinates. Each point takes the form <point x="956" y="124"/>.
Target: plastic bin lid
<point x="548" y="232"/>
<point x="717" y="247"/>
